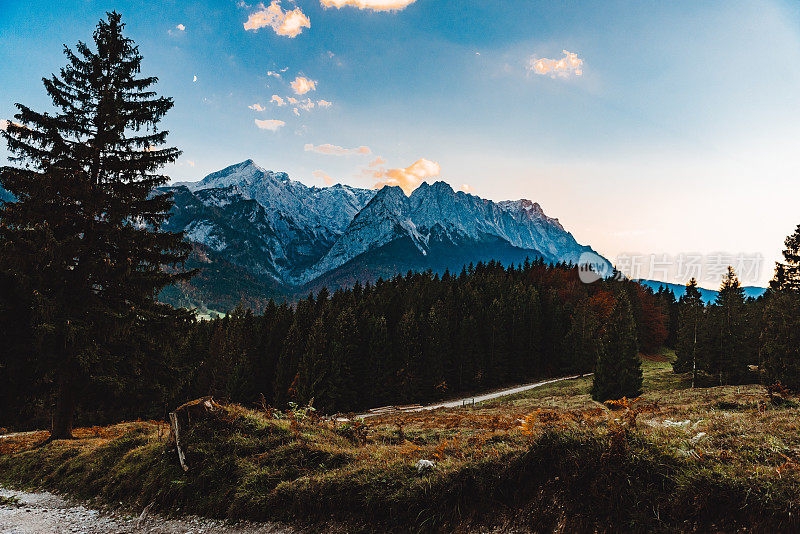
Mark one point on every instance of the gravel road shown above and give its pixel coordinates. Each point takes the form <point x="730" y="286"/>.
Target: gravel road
<point x="45" y="513"/>
<point x="480" y="398"/>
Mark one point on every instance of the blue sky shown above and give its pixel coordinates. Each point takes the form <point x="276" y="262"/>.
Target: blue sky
<point x="679" y="135"/>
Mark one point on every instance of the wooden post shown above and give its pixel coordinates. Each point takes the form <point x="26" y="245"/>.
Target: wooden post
<point x="173" y="420"/>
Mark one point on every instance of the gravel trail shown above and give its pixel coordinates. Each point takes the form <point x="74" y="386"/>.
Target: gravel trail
<point x="46" y="513"/>
<point x="481" y="398"/>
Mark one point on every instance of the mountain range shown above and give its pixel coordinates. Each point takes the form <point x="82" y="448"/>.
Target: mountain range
<point x="264" y="235"/>
<point x="707" y="295"/>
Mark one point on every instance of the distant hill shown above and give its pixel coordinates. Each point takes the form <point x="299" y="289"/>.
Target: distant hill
<point x="5" y="196"/>
<point x="708" y="295"/>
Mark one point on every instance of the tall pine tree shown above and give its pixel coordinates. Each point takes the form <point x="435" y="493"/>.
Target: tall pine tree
<point x="787" y="275"/>
<point x="618" y="372"/>
<point x="690" y="317"/>
<point x="84" y="235"/>
<point x="733" y="348"/>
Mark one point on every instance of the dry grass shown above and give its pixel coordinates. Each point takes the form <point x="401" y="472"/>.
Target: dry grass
<point x="271" y="465"/>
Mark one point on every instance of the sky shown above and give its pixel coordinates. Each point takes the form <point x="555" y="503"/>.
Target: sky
<point x="660" y="133"/>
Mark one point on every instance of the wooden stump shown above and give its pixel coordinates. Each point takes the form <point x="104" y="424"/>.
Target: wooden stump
<point x="187" y="415"/>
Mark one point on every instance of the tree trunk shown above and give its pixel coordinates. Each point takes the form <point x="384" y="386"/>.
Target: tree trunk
<point x="65" y="409"/>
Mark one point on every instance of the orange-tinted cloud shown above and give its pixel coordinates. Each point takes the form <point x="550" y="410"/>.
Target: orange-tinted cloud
<point x="180" y="27"/>
<point x="324" y="177"/>
<point x="270" y="124"/>
<point x="335" y="150"/>
<point x="466" y="188"/>
<point x="288" y="23"/>
<point x="324" y="103"/>
<point x="377" y="162"/>
<point x="409" y="178"/>
<point x="257" y="107"/>
<point x="301" y="85"/>
<point x="564" y="67"/>
<point x="374" y="5"/>
<point x="278" y="100"/>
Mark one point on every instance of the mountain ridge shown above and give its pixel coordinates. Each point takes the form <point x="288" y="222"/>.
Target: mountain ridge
<point x="296" y="236"/>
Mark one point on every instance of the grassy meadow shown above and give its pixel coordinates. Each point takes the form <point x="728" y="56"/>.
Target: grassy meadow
<point x="677" y="458"/>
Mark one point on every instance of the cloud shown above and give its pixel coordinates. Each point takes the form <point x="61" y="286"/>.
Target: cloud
<point x="270" y="124"/>
<point x="273" y="74"/>
<point x="324" y="177"/>
<point x="466" y="188"/>
<point x="377" y="162"/>
<point x="278" y="100"/>
<point x="257" y="107"/>
<point x="180" y="27"/>
<point x="3" y="124"/>
<point x="291" y="100"/>
<point x="564" y="67"/>
<point x="409" y="178"/>
<point x="194" y="79"/>
<point x="335" y="150"/>
<point x="190" y="163"/>
<point x="296" y="111"/>
<point x="324" y="103"/>
<point x="301" y="85"/>
<point x="374" y="5"/>
<point x="307" y="105"/>
<point x="288" y="23"/>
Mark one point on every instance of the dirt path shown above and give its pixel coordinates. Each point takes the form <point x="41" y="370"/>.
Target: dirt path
<point x="45" y="513"/>
<point x="481" y="398"/>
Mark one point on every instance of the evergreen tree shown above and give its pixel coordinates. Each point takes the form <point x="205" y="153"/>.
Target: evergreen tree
<point x="618" y="372"/>
<point x="84" y="235"/>
<point x="582" y="342"/>
<point x="780" y="340"/>
<point x="732" y="350"/>
<point x="787" y="275"/>
<point x="690" y="317"/>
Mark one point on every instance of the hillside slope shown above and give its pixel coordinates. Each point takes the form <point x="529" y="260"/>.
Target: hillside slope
<point x="716" y="459"/>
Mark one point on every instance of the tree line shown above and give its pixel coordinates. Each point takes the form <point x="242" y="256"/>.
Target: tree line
<point x="414" y="338"/>
<point x="736" y="340"/>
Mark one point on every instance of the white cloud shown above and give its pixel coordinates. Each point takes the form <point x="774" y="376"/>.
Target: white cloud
<point x="408" y="178"/>
<point x="296" y="111"/>
<point x="273" y="74"/>
<point x="257" y="107"/>
<point x="307" y="104"/>
<point x="301" y="85"/>
<point x="278" y="100"/>
<point x="374" y="5"/>
<point x="324" y="177"/>
<point x="288" y="23"/>
<point x="335" y="150"/>
<point x="270" y="124"/>
<point x="180" y="27"/>
<point x="324" y="103"/>
<point x="194" y="79"/>
<point x="564" y="67"/>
